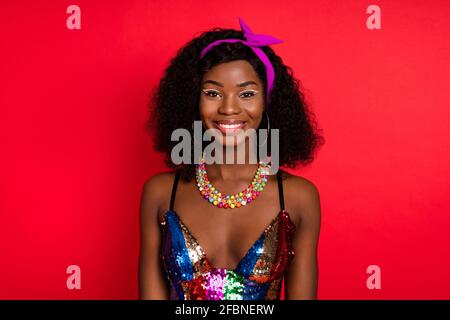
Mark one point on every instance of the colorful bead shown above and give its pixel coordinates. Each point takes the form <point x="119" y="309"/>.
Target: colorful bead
<point x="213" y="196"/>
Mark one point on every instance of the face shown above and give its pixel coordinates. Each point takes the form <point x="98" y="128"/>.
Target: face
<point x="231" y="100"/>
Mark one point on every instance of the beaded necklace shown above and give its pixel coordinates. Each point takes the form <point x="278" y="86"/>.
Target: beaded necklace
<point x="216" y="198"/>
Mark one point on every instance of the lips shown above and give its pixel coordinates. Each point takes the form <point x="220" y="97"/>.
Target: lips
<point x="227" y="126"/>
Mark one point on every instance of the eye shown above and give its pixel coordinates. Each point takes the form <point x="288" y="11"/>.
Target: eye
<point x="211" y="93"/>
<point x="248" y="94"/>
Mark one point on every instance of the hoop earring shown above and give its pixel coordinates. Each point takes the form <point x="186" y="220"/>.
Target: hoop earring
<point x="268" y="127"/>
<point x="268" y="158"/>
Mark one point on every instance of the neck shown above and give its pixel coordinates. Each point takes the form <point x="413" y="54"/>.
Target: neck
<point x="233" y="171"/>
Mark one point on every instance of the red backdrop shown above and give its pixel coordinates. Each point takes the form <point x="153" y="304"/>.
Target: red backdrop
<point x="75" y="153"/>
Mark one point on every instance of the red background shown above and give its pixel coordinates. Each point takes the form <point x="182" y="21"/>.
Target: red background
<point x="75" y="154"/>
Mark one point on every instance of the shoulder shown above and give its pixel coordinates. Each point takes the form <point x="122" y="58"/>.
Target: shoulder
<point x="159" y="180"/>
<point x="299" y="186"/>
<point x="157" y="189"/>
<point x="302" y="197"/>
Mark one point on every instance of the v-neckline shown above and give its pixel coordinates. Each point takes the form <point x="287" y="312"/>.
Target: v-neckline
<point x="182" y="224"/>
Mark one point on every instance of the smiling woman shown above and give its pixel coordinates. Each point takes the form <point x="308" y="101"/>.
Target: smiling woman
<point x="231" y="81"/>
<point x="231" y="99"/>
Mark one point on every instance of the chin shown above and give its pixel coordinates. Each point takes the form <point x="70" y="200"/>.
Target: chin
<point x="232" y="139"/>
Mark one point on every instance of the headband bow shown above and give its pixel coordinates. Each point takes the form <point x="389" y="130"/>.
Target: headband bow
<point x="254" y="41"/>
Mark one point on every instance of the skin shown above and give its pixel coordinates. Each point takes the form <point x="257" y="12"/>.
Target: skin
<point x="226" y="236"/>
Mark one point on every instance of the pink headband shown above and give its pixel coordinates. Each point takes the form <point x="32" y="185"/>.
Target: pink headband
<point x="253" y="41"/>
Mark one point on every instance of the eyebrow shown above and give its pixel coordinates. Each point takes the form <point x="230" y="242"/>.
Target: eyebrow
<point x="243" y="84"/>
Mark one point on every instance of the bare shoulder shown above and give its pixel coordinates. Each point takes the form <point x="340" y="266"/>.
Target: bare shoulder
<point x="156" y="182"/>
<point x="302" y="198"/>
<point x="156" y="191"/>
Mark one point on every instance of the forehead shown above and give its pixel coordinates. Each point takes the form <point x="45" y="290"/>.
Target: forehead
<point x="233" y="71"/>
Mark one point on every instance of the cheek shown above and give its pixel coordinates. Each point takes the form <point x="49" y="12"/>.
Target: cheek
<point x="206" y="112"/>
<point x="257" y="119"/>
<point x="255" y="113"/>
<point x="207" y="108"/>
<point x="254" y="107"/>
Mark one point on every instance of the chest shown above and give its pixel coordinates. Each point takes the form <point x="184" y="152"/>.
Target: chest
<point x="225" y="235"/>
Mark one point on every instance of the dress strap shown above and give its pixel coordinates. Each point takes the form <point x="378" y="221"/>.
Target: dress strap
<point x="280" y="190"/>
<point x="174" y="190"/>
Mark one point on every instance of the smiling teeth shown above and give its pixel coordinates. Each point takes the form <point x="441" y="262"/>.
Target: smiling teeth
<point x="230" y="126"/>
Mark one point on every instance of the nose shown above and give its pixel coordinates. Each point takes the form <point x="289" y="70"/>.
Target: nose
<point x="229" y="105"/>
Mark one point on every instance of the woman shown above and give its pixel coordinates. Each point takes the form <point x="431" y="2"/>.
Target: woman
<point x="191" y="248"/>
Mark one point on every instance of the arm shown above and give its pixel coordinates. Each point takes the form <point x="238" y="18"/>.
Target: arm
<point x="301" y="280"/>
<point x="152" y="281"/>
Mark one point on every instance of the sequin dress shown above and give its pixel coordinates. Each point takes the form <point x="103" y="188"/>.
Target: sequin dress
<point x="258" y="276"/>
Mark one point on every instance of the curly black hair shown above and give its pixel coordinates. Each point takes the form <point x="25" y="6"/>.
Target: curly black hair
<point x="175" y="101"/>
